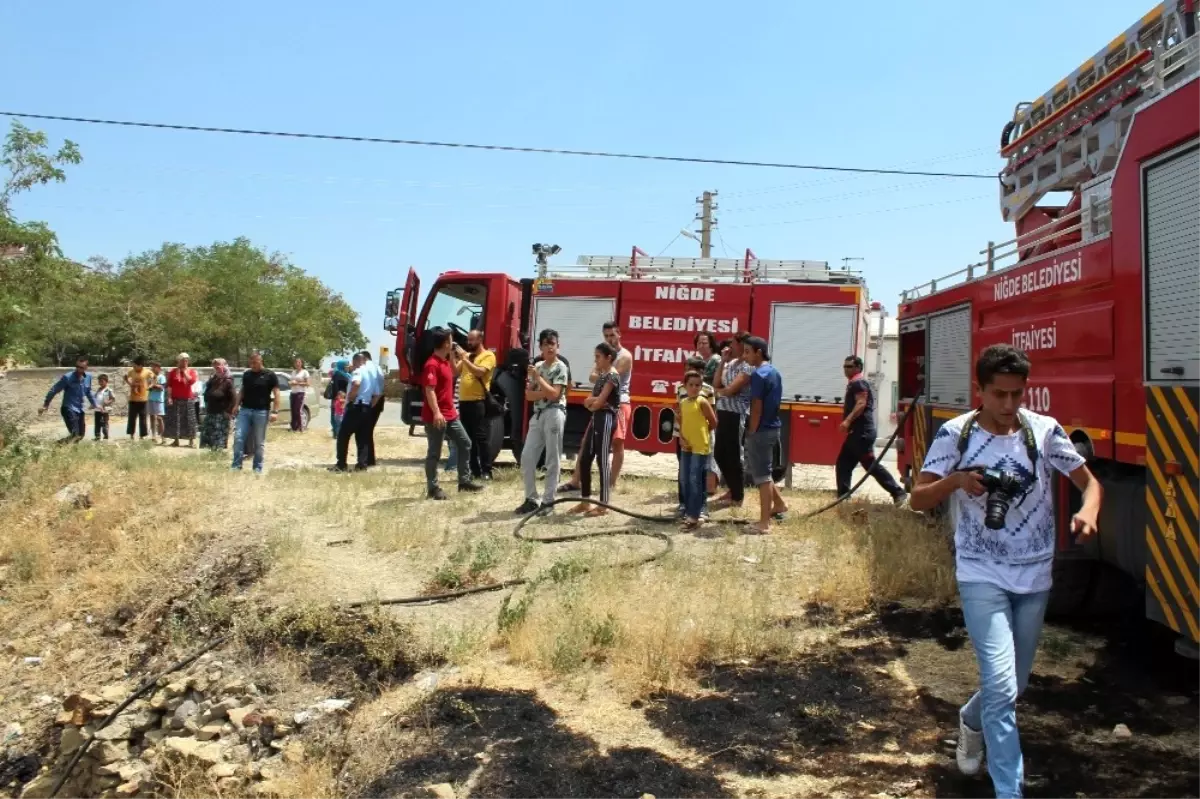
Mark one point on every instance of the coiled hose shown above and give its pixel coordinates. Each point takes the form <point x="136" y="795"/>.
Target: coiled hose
<point x="449" y="596"/>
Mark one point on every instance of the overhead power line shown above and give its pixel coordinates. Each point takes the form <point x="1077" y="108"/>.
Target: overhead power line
<point x="826" y="181"/>
<point x="496" y="147"/>
<point x="872" y="212"/>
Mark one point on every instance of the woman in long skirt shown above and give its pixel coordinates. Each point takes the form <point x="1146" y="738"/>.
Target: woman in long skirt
<point x="218" y="404"/>
<point x="180" y="420"/>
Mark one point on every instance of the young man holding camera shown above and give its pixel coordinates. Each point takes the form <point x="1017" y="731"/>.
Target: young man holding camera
<point x="998" y="464"/>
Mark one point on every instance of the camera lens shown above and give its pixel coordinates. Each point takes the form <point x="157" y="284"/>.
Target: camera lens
<point x="996" y="511"/>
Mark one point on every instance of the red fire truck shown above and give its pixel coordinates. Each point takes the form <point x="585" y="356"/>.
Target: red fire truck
<point x="660" y="305"/>
<point x="1103" y="293"/>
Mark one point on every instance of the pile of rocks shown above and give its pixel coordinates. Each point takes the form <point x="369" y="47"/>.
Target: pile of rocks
<point x="203" y="720"/>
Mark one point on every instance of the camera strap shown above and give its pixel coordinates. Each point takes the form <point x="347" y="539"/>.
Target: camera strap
<point x="964" y="438"/>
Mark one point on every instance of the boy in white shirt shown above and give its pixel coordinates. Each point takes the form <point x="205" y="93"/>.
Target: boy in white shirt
<point x="104" y="399"/>
<point x="998" y="464"/>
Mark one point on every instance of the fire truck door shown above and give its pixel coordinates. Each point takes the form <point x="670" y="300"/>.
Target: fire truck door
<point x="914" y="351"/>
<point x="405" y="328"/>
<point x="1172" y="230"/>
<point x="1171" y="226"/>
<point x="579" y="322"/>
<point x="808" y="344"/>
<point x="948" y="367"/>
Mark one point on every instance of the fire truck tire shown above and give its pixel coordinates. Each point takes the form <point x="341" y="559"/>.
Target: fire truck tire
<point x="1071" y="594"/>
<point x="496" y="435"/>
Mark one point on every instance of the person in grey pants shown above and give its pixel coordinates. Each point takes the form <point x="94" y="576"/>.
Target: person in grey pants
<point x="547" y="390"/>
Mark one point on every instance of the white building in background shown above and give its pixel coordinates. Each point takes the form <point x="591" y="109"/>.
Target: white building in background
<point x="883" y="367"/>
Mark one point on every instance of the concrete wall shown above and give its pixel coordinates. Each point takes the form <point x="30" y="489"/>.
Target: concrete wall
<point x="22" y="391"/>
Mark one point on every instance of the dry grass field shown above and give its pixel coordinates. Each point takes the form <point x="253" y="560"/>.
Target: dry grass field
<point x="825" y="659"/>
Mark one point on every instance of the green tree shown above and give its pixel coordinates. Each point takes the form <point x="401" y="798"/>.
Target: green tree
<point x="226" y="300"/>
<point x="31" y="264"/>
<point x="29" y="163"/>
<point x="223" y="300"/>
<point x="72" y="317"/>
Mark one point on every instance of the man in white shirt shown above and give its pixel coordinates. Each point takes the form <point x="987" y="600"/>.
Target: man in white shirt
<point x="998" y="464"/>
<point x="376" y="405"/>
<point x="358" y="408"/>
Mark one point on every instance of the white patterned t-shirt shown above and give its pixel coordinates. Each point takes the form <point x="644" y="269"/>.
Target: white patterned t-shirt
<point x="1020" y="557"/>
<point x="739" y="402"/>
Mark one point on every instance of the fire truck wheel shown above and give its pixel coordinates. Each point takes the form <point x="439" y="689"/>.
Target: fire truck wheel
<point x="496" y="435"/>
<point x="1071" y="594"/>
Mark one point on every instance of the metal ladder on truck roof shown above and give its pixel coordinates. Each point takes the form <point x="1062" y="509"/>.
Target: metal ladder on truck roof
<point x="736" y="270"/>
<point x="1074" y="132"/>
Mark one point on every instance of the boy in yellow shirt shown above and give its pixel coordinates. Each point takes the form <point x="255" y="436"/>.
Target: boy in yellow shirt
<point x="697" y="421"/>
<point x="138" y="379"/>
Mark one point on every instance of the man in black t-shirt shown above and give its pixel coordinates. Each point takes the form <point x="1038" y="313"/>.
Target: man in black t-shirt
<point x="257" y="405"/>
<point x="858" y="423"/>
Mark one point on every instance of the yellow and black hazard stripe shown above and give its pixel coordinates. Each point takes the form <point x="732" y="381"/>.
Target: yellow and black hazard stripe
<point x="1172" y="486"/>
<point x="920" y="441"/>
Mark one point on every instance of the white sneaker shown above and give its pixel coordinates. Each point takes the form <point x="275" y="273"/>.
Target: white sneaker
<point x="969" y="752"/>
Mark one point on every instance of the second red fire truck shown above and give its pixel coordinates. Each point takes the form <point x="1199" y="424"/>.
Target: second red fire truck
<point x="660" y="305"/>
<point x="1103" y="293"/>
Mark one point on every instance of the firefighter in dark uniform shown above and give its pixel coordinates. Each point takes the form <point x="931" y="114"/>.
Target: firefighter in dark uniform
<point x="858" y="425"/>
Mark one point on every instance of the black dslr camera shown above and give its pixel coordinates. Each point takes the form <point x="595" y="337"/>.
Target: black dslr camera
<point x="1002" y="487"/>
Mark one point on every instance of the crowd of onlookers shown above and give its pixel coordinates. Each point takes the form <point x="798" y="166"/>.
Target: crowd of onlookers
<point x="176" y="405"/>
<point x="727" y="417"/>
<point x="727" y="422"/>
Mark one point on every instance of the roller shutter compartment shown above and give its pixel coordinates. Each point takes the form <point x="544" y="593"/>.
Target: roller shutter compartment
<point x="1172" y="229"/>
<point x="948" y="370"/>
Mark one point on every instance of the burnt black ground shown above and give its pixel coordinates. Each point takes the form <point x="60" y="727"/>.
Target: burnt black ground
<point x="529" y="754"/>
<point x="841" y="715"/>
<point x="1089" y="677"/>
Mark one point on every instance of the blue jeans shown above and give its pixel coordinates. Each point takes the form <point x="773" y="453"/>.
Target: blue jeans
<point x="1004" y="629"/>
<point x="250" y="423"/>
<point x="452" y="457"/>
<point x="75" y="421"/>
<point x="693" y="472"/>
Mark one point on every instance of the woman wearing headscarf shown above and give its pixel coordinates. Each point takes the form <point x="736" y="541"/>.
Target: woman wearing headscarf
<point x="180" y="421"/>
<point x="218" y="405"/>
<point x="340" y="376"/>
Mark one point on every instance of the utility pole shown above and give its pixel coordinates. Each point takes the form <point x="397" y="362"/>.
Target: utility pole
<point x="707" y="206"/>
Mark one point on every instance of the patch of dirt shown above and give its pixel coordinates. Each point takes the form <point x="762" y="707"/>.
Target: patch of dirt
<point x="205" y="606"/>
<point x="524" y="750"/>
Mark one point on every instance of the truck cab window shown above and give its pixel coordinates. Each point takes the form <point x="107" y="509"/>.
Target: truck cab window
<point x="457" y="307"/>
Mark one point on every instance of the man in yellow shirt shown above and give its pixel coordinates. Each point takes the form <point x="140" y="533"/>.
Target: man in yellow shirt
<point x="138" y="379"/>
<point x="475" y="366"/>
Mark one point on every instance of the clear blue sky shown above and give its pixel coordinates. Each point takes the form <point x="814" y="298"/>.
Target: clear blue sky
<point x="916" y="85"/>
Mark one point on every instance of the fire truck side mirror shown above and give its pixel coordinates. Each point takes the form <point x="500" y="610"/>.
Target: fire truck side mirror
<point x="391" y="311"/>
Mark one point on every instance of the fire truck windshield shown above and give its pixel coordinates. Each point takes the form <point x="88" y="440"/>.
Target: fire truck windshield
<point x="457" y="307"/>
